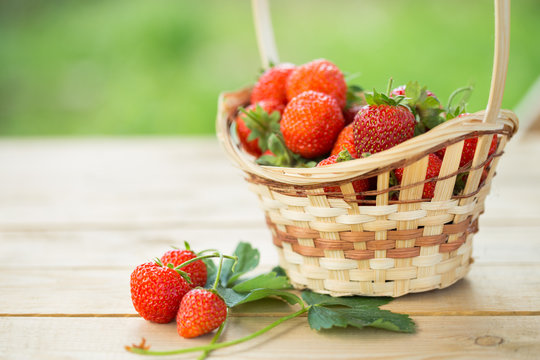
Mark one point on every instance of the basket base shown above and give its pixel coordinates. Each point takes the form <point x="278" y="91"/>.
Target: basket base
<point x="398" y="282"/>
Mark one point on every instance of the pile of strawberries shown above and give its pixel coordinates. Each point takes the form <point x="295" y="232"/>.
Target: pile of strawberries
<point x="171" y="288"/>
<point x="307" y="116"/>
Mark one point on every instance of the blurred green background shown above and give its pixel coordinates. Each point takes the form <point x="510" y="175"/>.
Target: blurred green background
<point x="156" y="67"/>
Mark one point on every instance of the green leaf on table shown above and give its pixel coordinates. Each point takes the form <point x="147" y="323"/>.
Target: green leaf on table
<point x="248" y="259"/>
<point x="269" y="281"/>
<point x="233" y="298"/>
<point x="321" y="317"/>
<point x="211" y="272"/>
<point x="327" y="312"/>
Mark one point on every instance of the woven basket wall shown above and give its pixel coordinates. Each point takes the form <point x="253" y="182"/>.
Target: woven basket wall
<point x="385" y="242"/>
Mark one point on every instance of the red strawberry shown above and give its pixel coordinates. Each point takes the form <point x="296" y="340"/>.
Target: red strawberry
<point x="196" y="271"/>
<point x="311" y="123"/>
<point x="264" y="118"/>
<point x="469" y="148"/>
<point x="382" y="124"/>
<point x="272" y="84"/>
<point x="433" y="169"/>
<point x="200" y="312"/>
<point x="345" y="140"/>
<point x="358" y="185"/>
<point x="156" y="292"/>
<point x="321" y="76"/>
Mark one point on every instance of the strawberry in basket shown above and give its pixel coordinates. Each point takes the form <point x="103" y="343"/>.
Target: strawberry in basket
<point x="382" y="124"/>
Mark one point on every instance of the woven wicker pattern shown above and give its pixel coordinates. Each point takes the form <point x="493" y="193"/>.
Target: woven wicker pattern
<point x="383" y="242"/>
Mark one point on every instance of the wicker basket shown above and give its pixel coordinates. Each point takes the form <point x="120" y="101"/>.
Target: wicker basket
<point x="390" y="241"/>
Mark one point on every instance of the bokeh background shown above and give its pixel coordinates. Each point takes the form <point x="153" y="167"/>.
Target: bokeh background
<point x="122" y="67"/>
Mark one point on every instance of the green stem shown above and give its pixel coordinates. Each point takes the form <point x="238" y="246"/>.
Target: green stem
<point x="218" y="275"/>
<point x="389" y="87"/>
<point x="205" y="353"/>
<point x="235" y="258"/>
<point x="456" y="92"/>
<point x="223" y="344"/>
<point x="207" y="250"/>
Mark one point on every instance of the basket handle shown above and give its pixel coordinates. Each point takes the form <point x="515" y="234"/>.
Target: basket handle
<point x="265" y="33"/>
<point x="500" y="59"/>
<point x="268" y="50"/>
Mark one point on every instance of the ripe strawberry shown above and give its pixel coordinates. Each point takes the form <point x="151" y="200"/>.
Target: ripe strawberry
<point x="433" y="169"/>
<point x="263" y="116"/>
<point x="469" y="148"/>
<point x="311" y="123"/>
<point x="358" y="185"/>
<point x="200" y="312"/>
<point x="382" y="124"/>
<point x="196" y="271"/>
<point x="156" y="292"/>
<point x="345" y="140"/>
<point x="321" y="76"/>
<point x="272" y="84"/>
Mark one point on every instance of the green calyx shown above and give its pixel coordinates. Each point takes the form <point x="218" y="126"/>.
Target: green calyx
<point x="261" y="124"/>
<point x="344" y="155"/>
<point x="376" y="98"/>
<point x="282" y="155"/>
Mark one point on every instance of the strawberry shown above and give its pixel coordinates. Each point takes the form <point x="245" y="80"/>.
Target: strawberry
<point x="311" y="123"/>
<point x="382" y="124"/>
<point x="200" y="312"/>
<point x="255" y="124"/>
<point x="358" y="185"/>
<point x="272" y="84"/>
<point x="345" y="140"/>
<point x="156" y="292"/>
<point x="433" y="169"/>
<point x="469" y="148"/>
<point x="321" y="76"/>
<point x="196" y="271"/>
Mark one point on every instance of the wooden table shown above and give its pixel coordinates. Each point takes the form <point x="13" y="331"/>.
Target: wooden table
<point x="77" y="215"/>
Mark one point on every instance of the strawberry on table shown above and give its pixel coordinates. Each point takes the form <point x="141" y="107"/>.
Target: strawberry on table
<point x="318" y="75"/>
<point x="382" y="124"/>
<point x="311" y="123"/>
<point x="156" y="292"/>
<point x="358" y="185"/>
<point x="345" y="140"/>
<point x="433" y="169"/>
<point x="255" y="125"/>
<point x="197" y="271"/>
<point x="200" y="312"/>
<point x="272" y="84"/>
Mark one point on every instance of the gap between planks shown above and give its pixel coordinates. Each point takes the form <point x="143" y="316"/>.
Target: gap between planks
<point x="281" y="314"/>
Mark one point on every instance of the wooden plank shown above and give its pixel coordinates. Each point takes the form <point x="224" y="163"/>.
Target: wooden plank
<point x="500" y="337"/>
<point x="149" y="183"/>
<point x="488" y="289"/>
<point x="52" y="249"/>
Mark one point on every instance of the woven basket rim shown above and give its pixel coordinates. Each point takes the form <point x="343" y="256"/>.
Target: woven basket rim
<point x="450" y="132"/>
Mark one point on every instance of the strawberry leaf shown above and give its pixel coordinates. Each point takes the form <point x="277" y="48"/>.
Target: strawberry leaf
<point x="327" y="312"/>
<point x="269" y="280"/>
<point x="233" y="298"/>
<point x="248" y="259"/>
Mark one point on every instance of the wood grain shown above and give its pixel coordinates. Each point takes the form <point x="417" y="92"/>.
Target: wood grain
<point x="468" y="337"/>
<point x="106" y="291"/>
